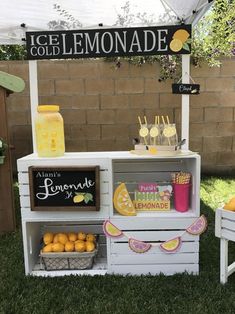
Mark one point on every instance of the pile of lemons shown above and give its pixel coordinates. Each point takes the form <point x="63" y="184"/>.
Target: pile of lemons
<point x="69" y="242"/>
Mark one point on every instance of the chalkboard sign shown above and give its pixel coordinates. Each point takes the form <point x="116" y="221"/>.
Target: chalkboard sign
<point x="188" y="89"/>
<point x="64" y="188"/>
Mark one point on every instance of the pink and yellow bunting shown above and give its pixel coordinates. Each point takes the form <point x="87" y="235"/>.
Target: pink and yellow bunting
<point x="110" y="230"/>
<point x="168" y="246"/>
<point x="198" y="227"/>
<point x="138" y="246"/>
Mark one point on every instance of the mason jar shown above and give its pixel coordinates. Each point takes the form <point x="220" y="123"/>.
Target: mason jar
<point x="49" y="131"/>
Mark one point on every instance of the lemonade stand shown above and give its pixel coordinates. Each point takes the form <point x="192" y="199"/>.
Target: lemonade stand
<point x="122" y="202"/>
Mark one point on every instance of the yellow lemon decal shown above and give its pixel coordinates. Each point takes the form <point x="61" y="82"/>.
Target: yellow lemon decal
<point x="122" y="201"/>
<point x="176" y="45"/>
<point x="181" y="34"/>
<point x="169" y="131"/>
<point x="78" y="198"/>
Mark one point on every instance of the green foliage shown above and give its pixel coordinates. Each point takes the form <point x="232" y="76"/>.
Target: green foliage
<point x="12" y="52"/>
<point x="212" y="38"/>
<point x="214" y="35"/>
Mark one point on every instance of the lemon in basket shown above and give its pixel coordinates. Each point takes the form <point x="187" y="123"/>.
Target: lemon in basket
<point x="72" y="236"/>
<point x="48" y="248"/>
<point x="69" y="246"/>
<point x="90" y="246"/>
<point x="62" y="238"/>
<point x="58" y="247"/>
<point x="48" y="238"/>
<point x="56" y="240"/>
<point x="90" y="237"/>
<point x="80" y="246"/>
<point x="81" y="236"/>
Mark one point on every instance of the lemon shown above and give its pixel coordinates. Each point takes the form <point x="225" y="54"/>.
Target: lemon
<point x="80" y="246"/>
<point x="90" y="246"/>
<point x="122" y="201"/>
<point x="69" y="246"/>
<point x="78" y="198"/>
<point x="48" y="248"/>
<point x="181" y="34"/>
<point x="58" y="247"/>
<point x="56" y="240"/>
<point x="81" y="236"/>
<point x="72" y="236"/>
<point x="48" y="238"/>
<point x="230" y="205"/>
<point x="62" y="238"/>
<point x="176" y="45"/>
<point x="90" y="237"/>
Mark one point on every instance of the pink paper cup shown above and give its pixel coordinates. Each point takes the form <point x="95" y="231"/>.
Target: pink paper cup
<point x="181" y="196"/>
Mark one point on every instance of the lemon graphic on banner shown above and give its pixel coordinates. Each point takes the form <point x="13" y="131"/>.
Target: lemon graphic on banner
<point x="181" y="34"/>
<point x="176" y="45"/>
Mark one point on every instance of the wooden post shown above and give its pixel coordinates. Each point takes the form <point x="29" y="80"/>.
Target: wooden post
<point x="7" y="210"/>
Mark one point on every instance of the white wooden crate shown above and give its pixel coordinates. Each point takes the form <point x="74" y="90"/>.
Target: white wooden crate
<point x="150" y="226"/>
<point x="124" y="261"/>
<point x="225" y="230"/>
<point x="32" y="241"/>
<point x="132" y="172"/>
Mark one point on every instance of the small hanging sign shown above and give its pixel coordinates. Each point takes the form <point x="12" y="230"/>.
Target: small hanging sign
<point x="188" y="89"/>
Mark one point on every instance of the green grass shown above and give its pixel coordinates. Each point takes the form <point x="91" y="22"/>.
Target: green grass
<point x="181" y="293"/>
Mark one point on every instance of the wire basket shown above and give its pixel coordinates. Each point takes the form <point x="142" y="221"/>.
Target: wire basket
<point x="66" y="260"/>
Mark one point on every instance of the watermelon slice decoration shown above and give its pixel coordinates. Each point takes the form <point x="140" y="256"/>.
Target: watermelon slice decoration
<point x="110" y="230"/>
<point x="172" y="245"/>
<point x="198" y="227"/>
<point x="139" y="246"/>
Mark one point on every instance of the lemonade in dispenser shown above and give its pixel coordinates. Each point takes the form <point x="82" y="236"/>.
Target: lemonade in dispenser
<point x="49" y="131"/>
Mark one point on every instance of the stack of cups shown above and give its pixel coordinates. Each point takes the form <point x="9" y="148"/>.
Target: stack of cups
<point x="181" y="188"/>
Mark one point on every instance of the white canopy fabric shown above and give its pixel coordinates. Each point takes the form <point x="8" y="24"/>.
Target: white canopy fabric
<point x="16" y="16"/>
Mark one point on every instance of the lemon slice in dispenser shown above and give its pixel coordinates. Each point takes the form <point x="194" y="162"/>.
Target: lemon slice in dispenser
<point x="169" y="131"/>
<point x="154" y="132"/>
<point x="143" y="132"/>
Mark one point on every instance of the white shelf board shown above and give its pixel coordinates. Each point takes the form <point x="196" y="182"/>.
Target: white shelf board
<point x="99" y="268"/>
<point x="160" y="214"/>
<point x="108" y="155"/>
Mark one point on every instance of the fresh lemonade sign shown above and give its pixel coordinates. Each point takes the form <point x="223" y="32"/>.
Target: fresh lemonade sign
<point x="64" y="188"/>
<point x="94" y="43"/>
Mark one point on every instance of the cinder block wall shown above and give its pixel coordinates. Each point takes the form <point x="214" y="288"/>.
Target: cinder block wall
<point x="100" y="105"/>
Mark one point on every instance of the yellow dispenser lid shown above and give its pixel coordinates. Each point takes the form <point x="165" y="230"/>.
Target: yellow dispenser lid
<point x="51" y="108"/>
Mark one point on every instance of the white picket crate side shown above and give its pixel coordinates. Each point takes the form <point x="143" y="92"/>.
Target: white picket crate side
<point x="69" y="159"/>
<point x="51" y="216"/>
<point x="123" y="248"/>
<point x="162" y="222"/>
<point x="164" y="269"/>
<point x="148" y="259"/>
<point x="155" y="236"/>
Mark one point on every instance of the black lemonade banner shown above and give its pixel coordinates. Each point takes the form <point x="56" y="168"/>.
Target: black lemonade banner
<point x="64" y="188"/>
<point x="113" y="42"/>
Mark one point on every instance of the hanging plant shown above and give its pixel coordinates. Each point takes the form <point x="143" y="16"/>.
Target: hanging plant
<point x="212" y="38"/>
